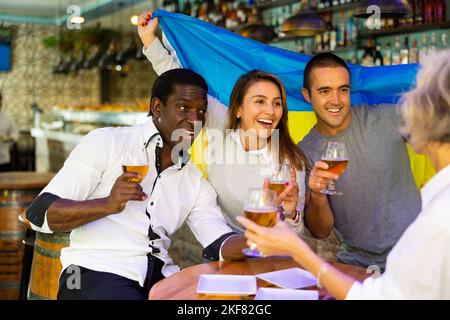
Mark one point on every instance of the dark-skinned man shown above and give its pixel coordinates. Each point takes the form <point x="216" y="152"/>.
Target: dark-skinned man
<point x="120" y="230"/>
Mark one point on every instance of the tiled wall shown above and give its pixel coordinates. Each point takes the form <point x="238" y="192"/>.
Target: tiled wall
<point x="31" y="79"/>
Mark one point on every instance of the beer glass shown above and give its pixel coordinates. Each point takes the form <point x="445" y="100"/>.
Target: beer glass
<point x="261" y="208"/>
<point x="335" y="155"/>
<point x="136" y="160"/>
<point x="280" y="178"/>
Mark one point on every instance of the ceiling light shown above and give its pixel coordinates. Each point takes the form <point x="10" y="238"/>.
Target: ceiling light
<point x="134" y="20"/>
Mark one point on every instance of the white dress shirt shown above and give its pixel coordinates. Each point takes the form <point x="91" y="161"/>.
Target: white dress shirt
<point x="119" y="243"/>
<point x="243" y="169"/>
<point x="418" y="267"/>
<point x="7" y="128"/>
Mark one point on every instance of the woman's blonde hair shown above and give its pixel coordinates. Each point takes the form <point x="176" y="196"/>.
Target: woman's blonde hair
<point x="426" y="108"/>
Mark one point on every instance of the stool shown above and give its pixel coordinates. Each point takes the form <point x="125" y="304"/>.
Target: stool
<point x="17" y="191"/>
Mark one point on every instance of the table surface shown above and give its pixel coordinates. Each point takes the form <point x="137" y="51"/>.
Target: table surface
<point x="183" y="285"/>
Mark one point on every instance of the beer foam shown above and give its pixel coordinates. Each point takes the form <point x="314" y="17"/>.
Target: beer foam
<point x="261" y="210"/>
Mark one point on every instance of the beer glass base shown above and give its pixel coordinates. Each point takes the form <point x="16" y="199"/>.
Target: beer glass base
<point x="253" y="253"/>
<point x="331" y="192"/>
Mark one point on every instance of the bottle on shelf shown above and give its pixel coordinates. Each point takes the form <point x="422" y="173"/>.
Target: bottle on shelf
<point x="420" y="12"/>
<point x="333" y="41"/>
<point x="429" y="11"/>
<point x="326" y="41"/>
<point x="439" y="11"/>
<point x="414" y="53"/>
<point x="444" y="39"/>
<point x="433" y="46"/>
<point x="319" y="46"/>
<point x="396" y="53"/>
<point x="404" y="53"/>
<point x="423" y="51"/>
<point x="412" y="18"/>
<point x="367" y="59"/>
<point x="378" y="58"/>
<point x="387" y="55"/>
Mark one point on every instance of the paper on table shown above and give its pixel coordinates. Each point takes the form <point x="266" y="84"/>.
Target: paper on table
<point x="226" y="284"/>
<point x="293" y="278"/>
<point x="286" y="294"/>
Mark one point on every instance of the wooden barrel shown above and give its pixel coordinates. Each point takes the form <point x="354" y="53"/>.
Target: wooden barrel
<point x="17" y="191"/>
<point x="46" y="267"/>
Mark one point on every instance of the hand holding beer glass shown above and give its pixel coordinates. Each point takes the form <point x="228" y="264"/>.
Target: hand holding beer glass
<point x="136" y="160"/>
<point x="334" y="154"/>
<point x="261" y="208"/>
<point x="280" y="178"/>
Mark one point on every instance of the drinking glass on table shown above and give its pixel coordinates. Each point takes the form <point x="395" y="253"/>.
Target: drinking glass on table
<point x="260" y="207"/>
<point x="136" y="160"/>
<point x="334" y="154"/>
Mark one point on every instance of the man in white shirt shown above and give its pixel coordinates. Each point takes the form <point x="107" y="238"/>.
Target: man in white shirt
<point x="120" y="230"/>
<point x="8" y="135"/>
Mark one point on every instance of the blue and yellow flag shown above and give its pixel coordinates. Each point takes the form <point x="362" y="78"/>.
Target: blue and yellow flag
<point x="221" y="57"/>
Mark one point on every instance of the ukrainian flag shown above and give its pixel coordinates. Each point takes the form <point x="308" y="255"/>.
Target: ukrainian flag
<point x="221" y="57"/>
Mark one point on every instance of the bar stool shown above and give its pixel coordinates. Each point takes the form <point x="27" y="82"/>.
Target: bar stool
<point x="17" y="190"/>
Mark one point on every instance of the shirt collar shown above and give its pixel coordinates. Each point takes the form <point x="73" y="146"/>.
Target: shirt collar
<point x="261" y="152"/>
<point x="439" y="182"/>
<point x="150" y="133"/>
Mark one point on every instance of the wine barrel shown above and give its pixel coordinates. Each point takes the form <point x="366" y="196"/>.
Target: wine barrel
<point x="17" y="191"/>
<point x="46" y="267"/>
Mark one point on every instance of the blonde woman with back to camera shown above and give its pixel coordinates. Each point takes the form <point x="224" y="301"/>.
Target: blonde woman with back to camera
<point x="418" y="267"/>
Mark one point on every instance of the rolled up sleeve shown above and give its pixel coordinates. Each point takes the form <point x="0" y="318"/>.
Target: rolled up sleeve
<point x="207" y="222"/>
<point x="79" y="177"/>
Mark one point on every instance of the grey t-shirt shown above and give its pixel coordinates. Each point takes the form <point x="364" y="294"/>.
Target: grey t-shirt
<point x="380" y="197"/>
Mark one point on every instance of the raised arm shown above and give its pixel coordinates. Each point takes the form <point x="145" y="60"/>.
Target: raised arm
<point x="161" y="59"/>
<point x="164" y="58"/>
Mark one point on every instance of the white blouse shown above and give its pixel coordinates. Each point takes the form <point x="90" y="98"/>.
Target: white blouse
<point x="418" y="267"/>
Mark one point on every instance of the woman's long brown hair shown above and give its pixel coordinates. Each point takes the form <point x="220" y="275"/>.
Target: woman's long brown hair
<point x="288" y="151"/>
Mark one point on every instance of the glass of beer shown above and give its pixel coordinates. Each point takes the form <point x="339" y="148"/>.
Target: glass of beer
<point x="136" y="160"/>
<point x="280" y="177"/>
<point x="335" y="155"/>
<point x="261" y="208"/>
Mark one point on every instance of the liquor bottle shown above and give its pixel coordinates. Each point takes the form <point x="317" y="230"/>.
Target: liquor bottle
<point x="333" y="41"/>
<point x="319" y="46"/>
<point x="420" y="12"/>
<point x="433" y="43"/>
<point x="326" y="41"/>
<point x="439" y="10"/>
<point x="414" y="53"/>
<point x="378" y="58"/>
<point x="404" y="53"/>
<point x="321" y="4"/>
<point x="396" y="54"/>
<point x="367" y="59"/>
<point x="429" y="11"/>
<point x="387" y="55"/>
<point x="187" y="9"/>
<point x="423" y="51"/>
<point x="412" y="18"/>
<point x="444" y="39"/>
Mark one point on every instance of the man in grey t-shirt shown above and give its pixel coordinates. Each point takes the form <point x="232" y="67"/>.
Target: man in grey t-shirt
<point x="380" y="198"/>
